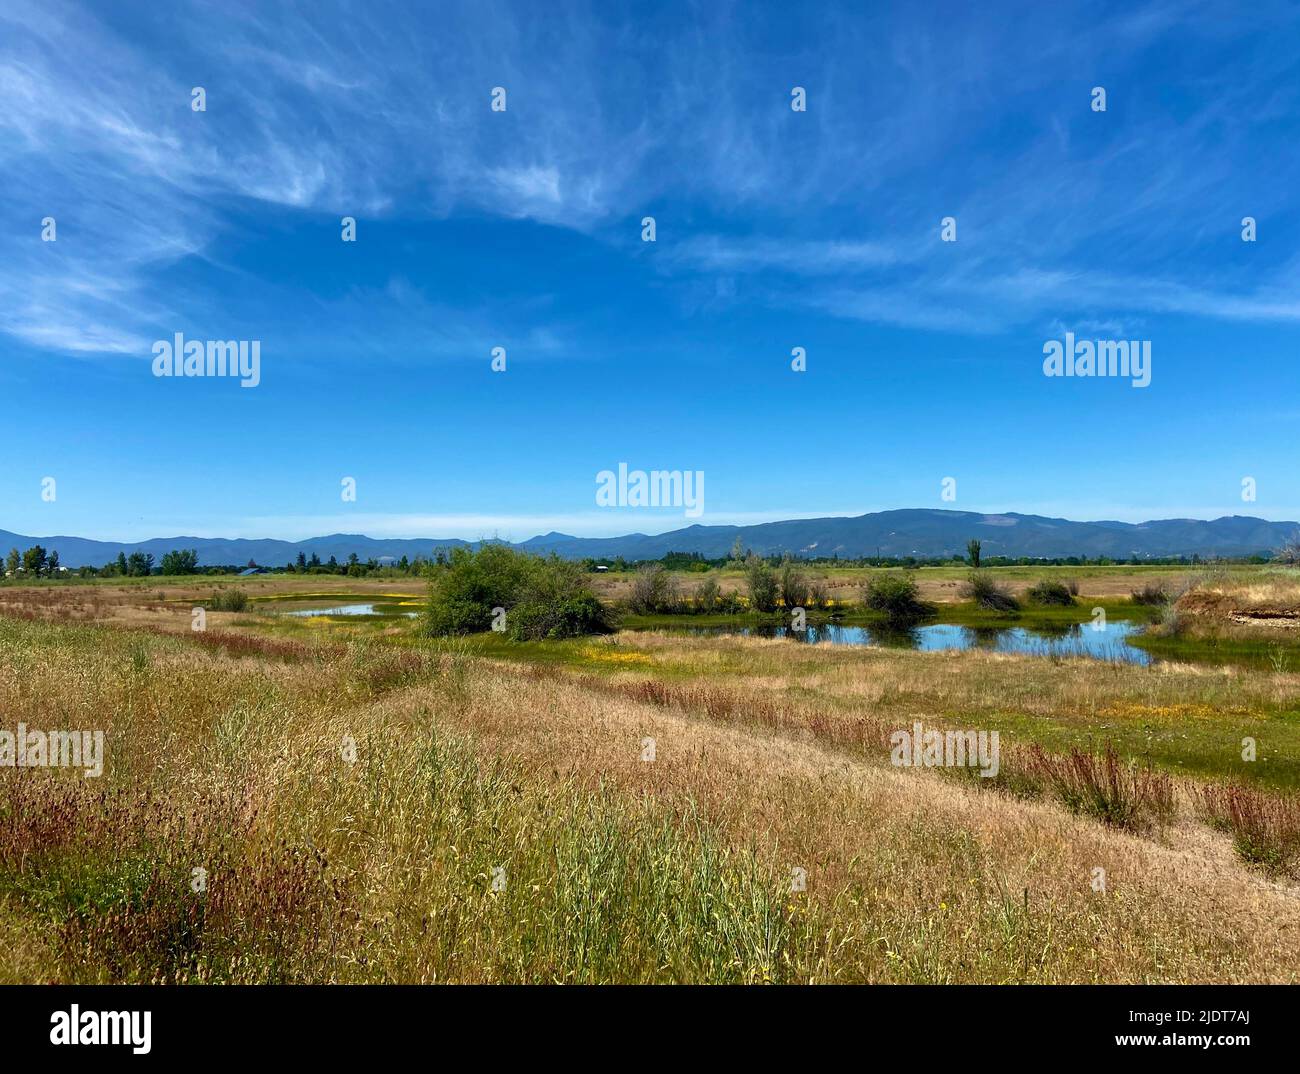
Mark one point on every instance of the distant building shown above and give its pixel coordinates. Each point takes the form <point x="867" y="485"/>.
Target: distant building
<point x="252" y="570"/>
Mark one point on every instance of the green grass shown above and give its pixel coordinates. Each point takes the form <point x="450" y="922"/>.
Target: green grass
<point x="1258" y="654"/>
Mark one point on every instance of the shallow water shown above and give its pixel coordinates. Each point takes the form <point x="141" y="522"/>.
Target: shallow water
<point x="351" y="609"/>
<point x="1110" y="643"/>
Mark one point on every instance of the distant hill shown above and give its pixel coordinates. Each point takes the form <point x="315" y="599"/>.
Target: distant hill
<point x="909" y="532"/>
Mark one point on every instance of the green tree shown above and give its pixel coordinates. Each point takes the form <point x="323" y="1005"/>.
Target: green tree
<point x="121" y="564"/>
<point x="973" y="550"/>
<point x="139" y="564"/>
<point x="35" y="561"/>
<point x="52" y="567"/>
<point x="14" y="561"/>
<point x="180" y="561"/>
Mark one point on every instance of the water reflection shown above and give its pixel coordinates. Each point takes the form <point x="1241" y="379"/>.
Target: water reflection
<point x="1075" y="639"/>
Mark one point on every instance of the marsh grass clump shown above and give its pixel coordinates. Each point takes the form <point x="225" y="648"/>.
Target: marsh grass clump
<point x="1049" y="592"/>
<point x="1153" y="594"/>
<point x="989" y="593"/>
<point x="896" y="596"/>
<point x="1116" y="792"/>
<point x="1265" y="828"/>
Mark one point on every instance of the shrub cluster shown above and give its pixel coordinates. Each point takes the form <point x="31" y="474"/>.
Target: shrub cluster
<point x="896" y="595"/>
<point x="1050" y="592"/>
<point x="230" y="600"/>
<point x="541" y="597"/>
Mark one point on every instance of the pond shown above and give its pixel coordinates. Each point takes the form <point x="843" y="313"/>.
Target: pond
<point x="1109" y="643"/>
<point x="355" y="609"/>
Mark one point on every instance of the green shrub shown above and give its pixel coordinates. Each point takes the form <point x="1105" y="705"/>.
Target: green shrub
<point x="990" y="594"/>
<point x="761" y="581"/>
<point x="231" y="600"/>
<point x="706" y="595"/>
<point x="554" y="601"/>
<point x="541" y="597"/>
<point x="896" y="595"/>
<point x="464" y="590"/>
<point x="794" y="585"/>
<point x="1049" y="592"/>
<point x="574" y="616"/>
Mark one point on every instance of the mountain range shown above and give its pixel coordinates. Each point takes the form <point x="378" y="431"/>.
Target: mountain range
<point x="906" y="532"/>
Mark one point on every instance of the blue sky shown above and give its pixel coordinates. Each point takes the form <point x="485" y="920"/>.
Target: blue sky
<point x="522" y="229"/>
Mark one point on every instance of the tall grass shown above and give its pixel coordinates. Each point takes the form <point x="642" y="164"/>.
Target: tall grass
<point x="1265" y="828"/>
<point x="1118" y="793"/>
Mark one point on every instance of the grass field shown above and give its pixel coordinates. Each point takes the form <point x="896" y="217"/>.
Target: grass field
<point x="369" y="805"/>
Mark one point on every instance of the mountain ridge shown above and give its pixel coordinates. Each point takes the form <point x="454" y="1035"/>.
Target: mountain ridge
<point x="922" y="532"/>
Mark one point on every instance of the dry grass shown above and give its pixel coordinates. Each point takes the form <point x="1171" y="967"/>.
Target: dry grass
<point x="768" y="757"/>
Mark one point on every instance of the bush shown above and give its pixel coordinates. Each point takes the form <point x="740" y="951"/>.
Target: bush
<point x="706" y="595"/>
<point x="542" y="597"/>
<point x="232" y="600"/>
<point x="653" y="591"/>
<point x="896" y="595"/>
<point x="1153" y="594"/>
<point x="794" y="585"/>
<point x="761" y="581"/>
<point x="990" y="594"/>
<point x="818" y="595"/>
<point x="464" y="590"/>
<point x="1049" y="592"/>
<point x="574" y="616"/>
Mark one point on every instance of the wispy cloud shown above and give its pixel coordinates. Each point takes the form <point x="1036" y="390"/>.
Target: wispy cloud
<point x="377" y="111"/>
